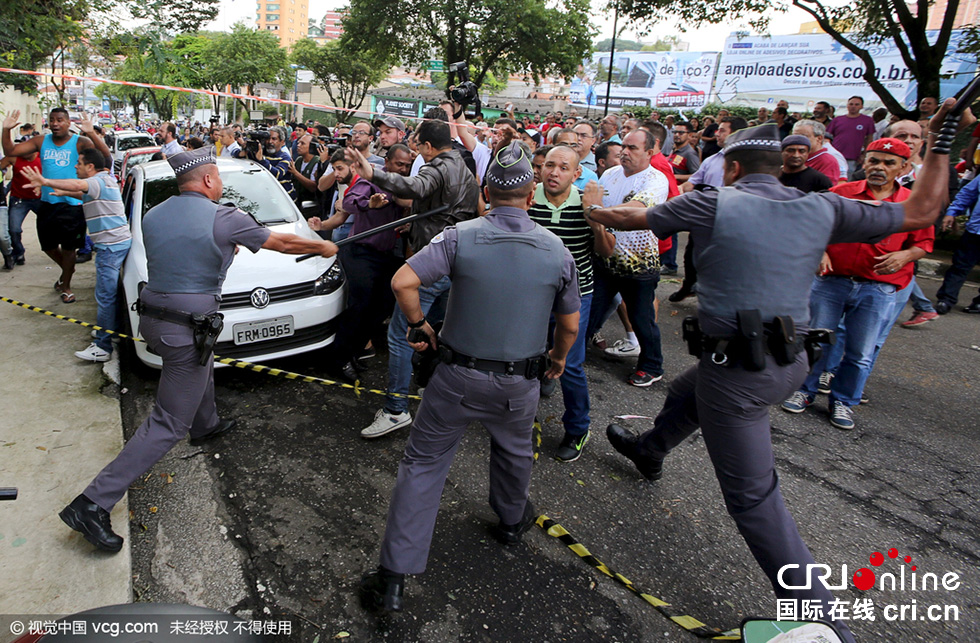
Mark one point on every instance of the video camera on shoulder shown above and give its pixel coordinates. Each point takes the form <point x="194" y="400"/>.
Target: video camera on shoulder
<point x="256" y="137"/>
<point x="333" y="143"/>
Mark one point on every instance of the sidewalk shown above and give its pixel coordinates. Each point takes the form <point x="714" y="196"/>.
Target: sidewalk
<point x="57" y="430"/>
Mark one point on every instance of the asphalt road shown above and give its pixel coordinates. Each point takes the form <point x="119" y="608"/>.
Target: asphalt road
<point x="280" y="519"/>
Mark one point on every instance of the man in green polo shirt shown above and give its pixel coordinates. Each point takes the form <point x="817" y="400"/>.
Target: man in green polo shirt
<point x="558" y="206"/>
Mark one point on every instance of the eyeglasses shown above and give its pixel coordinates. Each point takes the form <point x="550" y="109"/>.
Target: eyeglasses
<point x="679" y="131"/>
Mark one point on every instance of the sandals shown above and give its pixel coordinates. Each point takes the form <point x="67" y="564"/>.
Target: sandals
<point x="67" y="298"/>
<point x="57" y="285"/>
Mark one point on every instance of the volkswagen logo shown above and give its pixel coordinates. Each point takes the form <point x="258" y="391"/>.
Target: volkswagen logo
<point x="260" y="298"/>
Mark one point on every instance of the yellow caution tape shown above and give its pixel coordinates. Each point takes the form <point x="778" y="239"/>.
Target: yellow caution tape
<point x="237" y="363"/>
<point x="689" y="623"/>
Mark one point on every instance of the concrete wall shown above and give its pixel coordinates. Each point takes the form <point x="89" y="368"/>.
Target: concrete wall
<point x="30" y="112"/>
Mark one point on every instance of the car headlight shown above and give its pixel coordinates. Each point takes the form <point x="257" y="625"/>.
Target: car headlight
<point x="330" y="281"/>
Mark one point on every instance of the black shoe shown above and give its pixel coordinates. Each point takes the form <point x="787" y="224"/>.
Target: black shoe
<point x="382" y="590"/>
<point x="571" y="447"/>
<point x="943" y="307"/>
<point x="8" y="262"/>
<point x="627" y="444"/>
<point x="973" y="309"/>
<point x="92" y="521"/>
<point x="668" y="271"/>
<point x="366" y="354"/>
<point x="223" y="427"/>
<point x="82" y="257"/>
<point x="511" y="534"/>
<point x="548" y="387"/>
<point x="19" y="260"/>
<point x="680" y="295"/>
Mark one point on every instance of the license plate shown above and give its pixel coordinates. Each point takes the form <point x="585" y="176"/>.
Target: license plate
<point x="261" y="331"/>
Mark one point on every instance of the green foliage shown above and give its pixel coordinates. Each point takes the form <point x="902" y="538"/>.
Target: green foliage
<point x="490" y="83"/>
<point x="32" y="30"/>
<point x="345" y="72"/>
<point x="175" y="16"/>
<point x="530" y="37"/>
<point x="247" y="57"/>
<point x="622" y="44"/>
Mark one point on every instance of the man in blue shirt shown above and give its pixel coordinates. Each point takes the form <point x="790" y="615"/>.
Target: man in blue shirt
<point x="967" y="252"/>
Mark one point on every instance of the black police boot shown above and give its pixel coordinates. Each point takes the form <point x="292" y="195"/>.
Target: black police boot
<point x="628" y="444"/>
<point x="382" y="590"/>
<point x="223" y="427"/>
<point x="511" y="534"/>
<point x="92" y="521"/>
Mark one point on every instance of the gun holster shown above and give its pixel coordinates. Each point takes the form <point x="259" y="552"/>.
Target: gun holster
<point x="814" y="341"/>
<point x="424" y="363"/>
<point x="783" y="341"/>
<point x="691" y="333"/>
<point x="206" y="331"/>
<point x="753" y="336"/>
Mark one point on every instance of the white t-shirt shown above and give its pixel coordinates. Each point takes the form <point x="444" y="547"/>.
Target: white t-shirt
<point x="481" y="156"/>
<point x="841" y="161"/>
<point x="637" y="251"/>
<point x="228" y="150"/>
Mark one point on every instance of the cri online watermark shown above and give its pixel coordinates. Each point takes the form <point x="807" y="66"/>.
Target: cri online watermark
<point x="864" y="579"/>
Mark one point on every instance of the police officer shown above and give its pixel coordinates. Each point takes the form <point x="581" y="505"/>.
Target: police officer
<point x="757" y="246"/>
<point x="190" y="241"/>
<point x="492" y="350"/>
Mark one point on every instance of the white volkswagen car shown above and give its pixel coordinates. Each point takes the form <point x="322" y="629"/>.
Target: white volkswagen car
<point x="274" y="306"/>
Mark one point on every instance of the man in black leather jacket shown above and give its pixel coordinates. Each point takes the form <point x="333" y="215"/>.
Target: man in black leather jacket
<point x="443" y="180"/>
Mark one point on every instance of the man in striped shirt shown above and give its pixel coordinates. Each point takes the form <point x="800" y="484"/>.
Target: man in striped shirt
<point x="558" y="207"/>
<point x="107" y="225"/>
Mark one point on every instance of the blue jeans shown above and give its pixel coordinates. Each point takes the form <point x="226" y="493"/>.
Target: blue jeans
<point x="107" y="265"/>
<point x="342" y="231"/>
<point x="920" y="303"/>
<point x="19" y="208"/>
<point x="836" y="352"/>
<point x="864" y="308"/>
<point x="638" y="295"/>
<point x="669" y="258"/>
<point x="574" y="386"/>
<point x="400" y="353"/>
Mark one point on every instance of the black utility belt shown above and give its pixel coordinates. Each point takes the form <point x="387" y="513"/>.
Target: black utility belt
<point x="756" y="339"/>
<point x="532" y="368"/>
<point x="206" y="327"/>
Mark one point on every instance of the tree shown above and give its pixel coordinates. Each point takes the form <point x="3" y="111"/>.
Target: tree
<point x="858" y="26"/>
<point x="196" y="58"/>
<point x="621" y="45"/>
<point x="247" y="57"/>
<point x="175" y="16"/>
<point x="530" y="37"/>
<point x="33" y="30"/>
<point x="346" y="74"/>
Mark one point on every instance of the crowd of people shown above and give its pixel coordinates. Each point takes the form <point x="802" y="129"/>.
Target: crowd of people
<point x="608" y="198"/>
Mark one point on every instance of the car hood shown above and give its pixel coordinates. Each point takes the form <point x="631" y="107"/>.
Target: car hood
<point x="269" y="269"/>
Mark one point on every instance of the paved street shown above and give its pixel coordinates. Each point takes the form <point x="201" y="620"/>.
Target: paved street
<point x="283" y="517"/>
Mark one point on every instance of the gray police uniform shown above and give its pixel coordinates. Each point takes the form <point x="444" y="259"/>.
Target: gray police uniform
<point x="757" y="245"/>
<point x="190" y="242"/>
<point x="489" y="259"/>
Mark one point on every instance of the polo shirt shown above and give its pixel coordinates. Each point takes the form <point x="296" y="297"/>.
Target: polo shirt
<point x="568" y="223"/>
<point x="104" y="213"/>
<point x="587" y="175"/>
<point x="849" y="134"/>
<point x="858" y="259"/>
<point x="685" y="160"/>
<point x="824" y="162"/>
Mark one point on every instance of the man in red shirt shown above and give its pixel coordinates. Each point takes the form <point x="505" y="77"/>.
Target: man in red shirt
<point x="819" y="159"/>
<point x="857" y="284"/>
<point x="23" y="200"/>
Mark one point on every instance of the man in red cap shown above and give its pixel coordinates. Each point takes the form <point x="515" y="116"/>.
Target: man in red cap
<point x="856" y="287"/>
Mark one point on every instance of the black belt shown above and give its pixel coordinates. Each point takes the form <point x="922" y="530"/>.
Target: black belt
<point x="531" y="368"/>
<point x="856" y="279"/>
<point x="165" y="314"/>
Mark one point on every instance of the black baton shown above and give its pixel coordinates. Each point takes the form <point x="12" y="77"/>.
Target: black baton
<point x="965" y="98"/>
<point x="381" y="228"/>
<point x="8" y="493"/>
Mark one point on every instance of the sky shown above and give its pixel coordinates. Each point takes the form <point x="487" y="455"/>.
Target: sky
<point x="709" y="38"/>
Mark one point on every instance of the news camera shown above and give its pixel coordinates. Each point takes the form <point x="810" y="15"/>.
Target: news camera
<point x="465" y="92"/>
<point x="256" y="137"/>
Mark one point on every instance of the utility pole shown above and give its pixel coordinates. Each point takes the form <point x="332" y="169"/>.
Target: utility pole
<point x="612" y="57"/>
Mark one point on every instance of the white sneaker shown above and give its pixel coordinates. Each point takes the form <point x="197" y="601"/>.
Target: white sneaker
<point x="115" y="338"/>
<point x="385" y="422"/>
<point x="623" y="348"/>
<point x="93" y="354"/>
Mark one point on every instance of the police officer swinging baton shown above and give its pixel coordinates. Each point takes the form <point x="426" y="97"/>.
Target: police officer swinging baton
<point x="381" y="228"/>
<point x="966" y="96"/>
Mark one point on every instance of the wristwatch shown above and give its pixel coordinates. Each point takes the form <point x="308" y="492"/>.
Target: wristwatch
<point x="589" y="208"/>
<point x="417" y="324"/>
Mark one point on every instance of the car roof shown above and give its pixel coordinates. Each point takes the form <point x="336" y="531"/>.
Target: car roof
<point x="157" y="171"/>
<point x="131" y="132"/>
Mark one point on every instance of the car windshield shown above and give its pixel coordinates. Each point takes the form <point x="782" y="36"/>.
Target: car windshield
<point x="255" y="192"/>
<point x="131" y="142"/>
<point x="138" y="159"/>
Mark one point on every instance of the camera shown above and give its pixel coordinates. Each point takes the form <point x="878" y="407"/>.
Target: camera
<point x="214" y="119"/>
<point x="256" y="137"/>
<point x="465" y="92"/>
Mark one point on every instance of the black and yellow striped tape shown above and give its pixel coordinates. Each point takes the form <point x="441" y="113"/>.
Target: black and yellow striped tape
<point x="689" y="623"/>
<point x="257" y="368"/>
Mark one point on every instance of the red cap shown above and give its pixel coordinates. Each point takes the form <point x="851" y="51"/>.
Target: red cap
<point x="891" y="146"/>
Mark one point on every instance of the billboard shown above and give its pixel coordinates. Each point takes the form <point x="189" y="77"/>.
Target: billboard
<point x="806" y="68"/>
<point x="669" y="79"/>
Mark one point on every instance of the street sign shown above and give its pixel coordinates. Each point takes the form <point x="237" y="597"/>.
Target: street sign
<point x="437" y="65"/>
<point x="397" y="107"/>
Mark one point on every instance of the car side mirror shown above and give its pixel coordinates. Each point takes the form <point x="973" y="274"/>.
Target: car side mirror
<point x="763" y="630"/>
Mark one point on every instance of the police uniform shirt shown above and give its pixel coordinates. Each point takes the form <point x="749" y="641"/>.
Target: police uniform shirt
<point x="854" y="221"/>
<point x="437" y="258"/>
